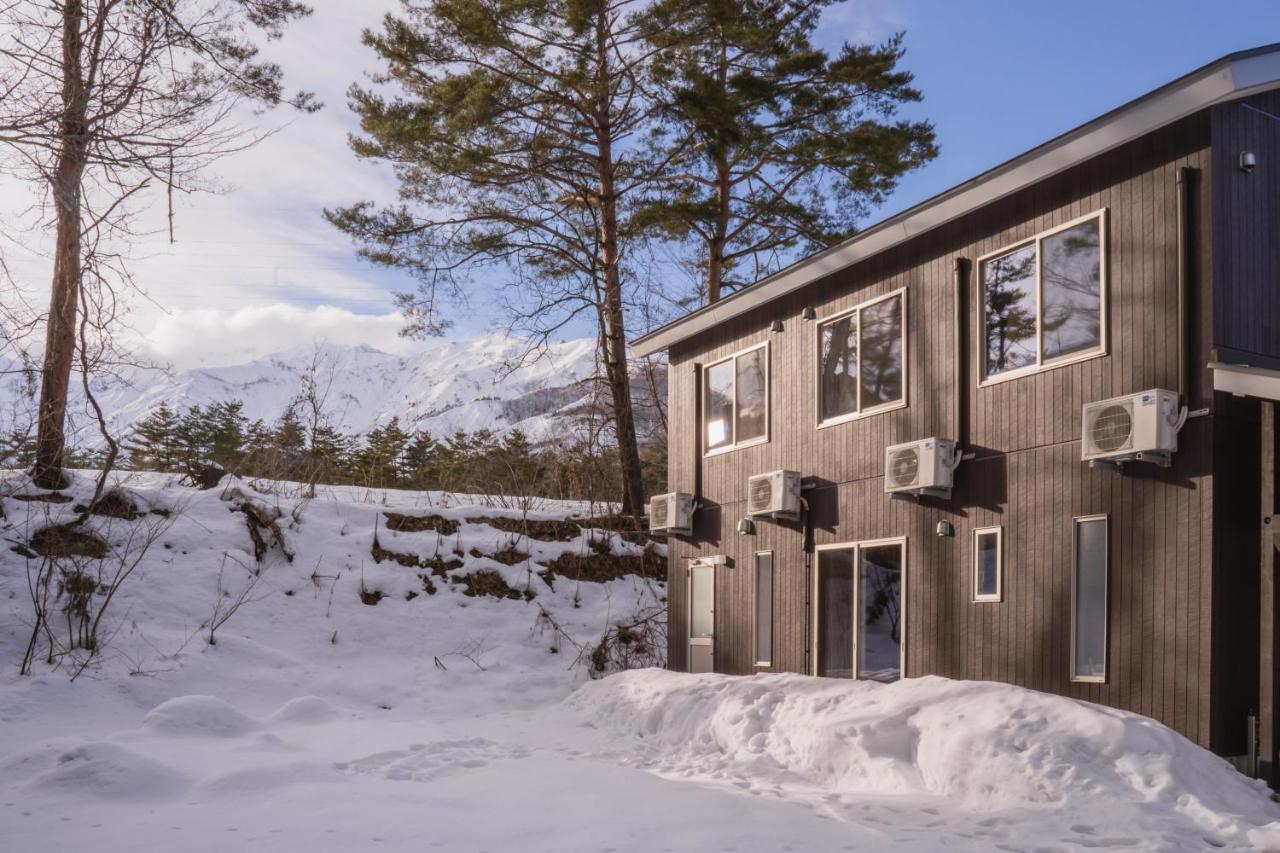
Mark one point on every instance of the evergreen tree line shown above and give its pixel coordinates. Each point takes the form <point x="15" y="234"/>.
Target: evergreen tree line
<point x="387" y="456"/>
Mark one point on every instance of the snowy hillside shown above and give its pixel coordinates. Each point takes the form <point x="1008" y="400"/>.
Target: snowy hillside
<point x="409" y="671"/>
<point x="451" y="385"/>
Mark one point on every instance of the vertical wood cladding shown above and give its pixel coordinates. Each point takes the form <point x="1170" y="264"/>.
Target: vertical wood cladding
<point x="1027" y="476"/>
<point x="1246" y="328"/>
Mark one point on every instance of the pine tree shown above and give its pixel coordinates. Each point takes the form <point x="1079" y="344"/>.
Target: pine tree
<point x="289" y="440"/>
<point x="154" y="444"/>
<point x="194" y="436"/>
<point x="382" y="457"/>
<point x="227" y="433"/>
<point x="512" y="135"/>
<point x="775" y="146"/>
<point x="422" y="462"/>
<point x="327" y="457"/>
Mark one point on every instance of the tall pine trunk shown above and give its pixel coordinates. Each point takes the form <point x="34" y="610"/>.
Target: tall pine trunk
<point x="719" y="237"/>
<point x="60" y="334"/>
<point x="615" y="330"/>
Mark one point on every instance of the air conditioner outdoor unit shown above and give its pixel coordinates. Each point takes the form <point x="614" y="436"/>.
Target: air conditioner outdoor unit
<point x="776" y="494"/>
<point x="671" y="513"/>
<point x="924" y="467"/>
<point x="1136" y="427"/>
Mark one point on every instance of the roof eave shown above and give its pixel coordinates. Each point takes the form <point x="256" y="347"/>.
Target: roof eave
<point x="1234" y="76"/>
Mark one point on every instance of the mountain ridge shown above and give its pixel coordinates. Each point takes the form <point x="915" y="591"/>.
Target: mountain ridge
<point x="485" y="382"/>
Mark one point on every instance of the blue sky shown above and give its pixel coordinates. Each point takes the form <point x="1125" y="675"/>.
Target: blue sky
<point x="256" y="269"/>
<point x="1002" y="77"/>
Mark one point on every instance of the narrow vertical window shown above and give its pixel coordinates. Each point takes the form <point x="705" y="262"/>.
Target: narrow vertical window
<point x="988" y="559"/>
<point x="764" y="608"/>
<point x="735" y="400"/>
<point x="1089" y="600"/>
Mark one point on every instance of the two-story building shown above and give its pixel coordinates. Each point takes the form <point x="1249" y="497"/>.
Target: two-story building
<point x="1021" y="431"/>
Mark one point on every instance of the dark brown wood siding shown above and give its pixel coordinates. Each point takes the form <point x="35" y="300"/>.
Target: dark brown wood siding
<point x="1027" y="477"/>
<point x="1246" y="327"/>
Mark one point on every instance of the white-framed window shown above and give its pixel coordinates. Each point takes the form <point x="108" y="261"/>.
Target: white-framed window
<point x="735" y="400"/>
<point x="862" y="359"/>
<point x="1043" y="301"/>
<point x="1089" y="556"/>
<point x="988" y="564"/>
<point x="764" y="608"/>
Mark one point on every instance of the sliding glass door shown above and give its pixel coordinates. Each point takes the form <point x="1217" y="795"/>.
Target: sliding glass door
<point x="860" y="610"/>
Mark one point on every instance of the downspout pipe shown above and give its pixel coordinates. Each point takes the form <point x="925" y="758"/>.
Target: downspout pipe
<point x="697" y="432"/>
<point x="960" y="274"/>
<point x="1187" y="176"/>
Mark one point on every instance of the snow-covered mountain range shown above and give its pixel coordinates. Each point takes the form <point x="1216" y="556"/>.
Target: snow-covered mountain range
<point x="450" y="385"/>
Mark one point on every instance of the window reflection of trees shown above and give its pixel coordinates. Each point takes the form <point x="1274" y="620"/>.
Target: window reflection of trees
<point x="1008" y="286"/>
<point x="1072" y="286"/>
<point x="751" y="396"/>
<point x="882" y="352"/>
<point x="719" y="404"/>
<point x="839" y="367"/>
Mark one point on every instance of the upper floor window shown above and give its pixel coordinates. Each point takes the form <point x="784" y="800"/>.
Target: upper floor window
<point x="861" y="359"/>
<point x="1043" y="301"/>
<point x="736" y="400"/>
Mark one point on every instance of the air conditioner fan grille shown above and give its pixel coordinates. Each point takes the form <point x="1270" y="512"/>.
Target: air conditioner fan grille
<point x="1112" y="428"/>
<point x="760" y="494"/>
<point x="904" y="468"/>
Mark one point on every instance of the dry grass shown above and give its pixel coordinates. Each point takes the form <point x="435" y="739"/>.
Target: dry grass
<point x="63" y="540"/>
<point x="599" y="568"/>
<point x="487" y="582"/>
<point x="401" y="523"/>
<point x="114" y="504"/>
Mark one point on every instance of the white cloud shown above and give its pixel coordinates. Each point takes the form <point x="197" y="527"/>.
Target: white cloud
<point x="261" y="242"/>
<point x="205" y="337"/>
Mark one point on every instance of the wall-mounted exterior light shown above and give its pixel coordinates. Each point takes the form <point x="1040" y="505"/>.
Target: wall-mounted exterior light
<point x="746" y="527"/>
<point x="1248" y="161"/>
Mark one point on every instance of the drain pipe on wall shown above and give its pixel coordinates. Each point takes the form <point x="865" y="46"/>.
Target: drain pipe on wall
<point x="697" y="433"/>
<point x="960" y="273"/>
<point x="806" y="521"/>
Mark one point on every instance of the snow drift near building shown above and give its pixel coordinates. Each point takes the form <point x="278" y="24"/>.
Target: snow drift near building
<point x="985" y="746"/>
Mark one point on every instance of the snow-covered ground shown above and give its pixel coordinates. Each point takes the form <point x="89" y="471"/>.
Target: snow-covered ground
<point x="320" y="722"/>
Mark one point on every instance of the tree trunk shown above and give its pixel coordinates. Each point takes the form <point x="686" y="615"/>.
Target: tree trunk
<point x="60" y="334"/>
<point x="615" y="331"/>
<point x="719" y="237"/>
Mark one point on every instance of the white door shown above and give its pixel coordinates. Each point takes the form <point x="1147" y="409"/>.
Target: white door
<point x="702" y="616"/>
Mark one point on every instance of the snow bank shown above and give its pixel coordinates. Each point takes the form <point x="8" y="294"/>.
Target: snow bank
<point x="199" y="716"/>
<point x="107" y="771"/>
<point x="989" y="746"/>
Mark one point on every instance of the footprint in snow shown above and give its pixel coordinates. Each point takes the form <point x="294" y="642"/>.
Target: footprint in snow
<point x="430" y="761"/>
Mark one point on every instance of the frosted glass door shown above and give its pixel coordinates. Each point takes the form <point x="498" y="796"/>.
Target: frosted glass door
<point x="702" y="596"/>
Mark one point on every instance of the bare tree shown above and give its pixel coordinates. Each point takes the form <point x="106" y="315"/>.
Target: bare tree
<point x="101" y="100"/>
